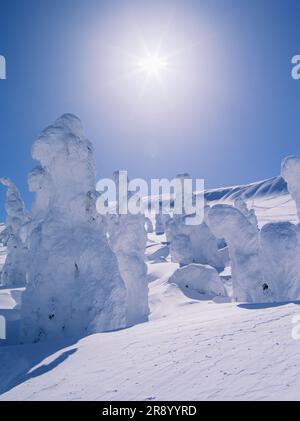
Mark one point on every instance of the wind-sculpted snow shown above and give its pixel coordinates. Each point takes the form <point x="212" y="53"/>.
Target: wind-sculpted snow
<point x="242" y="238"/>
<point x="192" y="348"/>
<point x="14" y="238"/>
<point x="128" y="240"/>
<point x="202" y="279"/>
<point x="74" y="286"/>
<point x="272" y="187"/>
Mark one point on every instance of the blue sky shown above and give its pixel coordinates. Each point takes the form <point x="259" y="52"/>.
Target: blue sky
<point x="229" y="115"/>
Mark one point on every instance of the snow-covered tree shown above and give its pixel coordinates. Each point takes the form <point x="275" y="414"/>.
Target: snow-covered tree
<point x="161" y="220"/>
<point x="280" y="260"/>
<point x="242" y="238"/>
<point x="241" y="205"/>
<point x="193" y="244"/>
<point x="128" y="240"/>
<point x="149" y="226"/>
<point x="14" y="238"/>
<point x="74" y="285"/>
<point x="290" y="171"/>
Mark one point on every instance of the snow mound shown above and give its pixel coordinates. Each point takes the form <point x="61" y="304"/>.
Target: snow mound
<point x="202" y="279"/>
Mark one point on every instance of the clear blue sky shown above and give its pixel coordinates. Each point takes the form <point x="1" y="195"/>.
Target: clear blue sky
<point x="230" y="116"/>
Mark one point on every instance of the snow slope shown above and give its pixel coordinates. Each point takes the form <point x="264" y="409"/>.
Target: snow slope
<point x="191" y="348"/>
<point x="273" y="187"/>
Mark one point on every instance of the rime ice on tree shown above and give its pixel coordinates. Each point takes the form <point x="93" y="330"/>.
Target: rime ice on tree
<point x="149" y="226"/>
<point x="290" y="171"/>
<point x="280" y="257"/>
<point x="14" y="238"/>
<point x="128" y="239"/>
<point x="161" y="221"/>
<point x="74" y="286"/>
<point x="193" y="244"/>
<point x="241" y="205"/>
<point x="242" y="238"/>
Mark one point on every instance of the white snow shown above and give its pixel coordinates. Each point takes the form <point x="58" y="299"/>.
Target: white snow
<point x="203" y="280"/>
<point x="128" y="240"/>
<point x="241" y="205"/>
<point x="193" y="244"/>
<point x="189" y="350"/>
<point x="149" y="226"/>
<point x="14" y="237"/>
<point x="160" y="223"/>
<point x="3" y="251"/>
<point x="74" y="285"/>
<point x="195" y="344"/>
<point x="280" y="260"/>
<point x="242" y="238"/>
<point x="290" y="171"/>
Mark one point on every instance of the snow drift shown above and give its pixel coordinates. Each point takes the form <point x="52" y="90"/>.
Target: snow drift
<point x="203" y="279"/>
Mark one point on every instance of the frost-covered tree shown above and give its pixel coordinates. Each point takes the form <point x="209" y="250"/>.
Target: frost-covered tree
<point x="161" y="220"/>
<point x="14" y="238"/>
<point x="242" y="238"/>
<point x="241" y="205"/>
<point x="149" y="226"/>
<point x="128" y="240"/>
<point x="290" y="171"/>
<point x="193" y="244"/>
<point x="280" y="260"/>
<point x="74" y="285"/>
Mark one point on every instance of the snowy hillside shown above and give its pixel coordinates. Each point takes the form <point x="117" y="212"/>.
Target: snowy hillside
<point x="271" y="187"/>
<point x="271" y="192"/>
<point x="192" y="348"/>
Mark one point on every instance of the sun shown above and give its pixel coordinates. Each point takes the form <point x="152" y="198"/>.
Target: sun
<point x="152" y="65"/>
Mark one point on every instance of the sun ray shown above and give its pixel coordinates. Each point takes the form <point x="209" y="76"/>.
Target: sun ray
<point x="152" y="64"/>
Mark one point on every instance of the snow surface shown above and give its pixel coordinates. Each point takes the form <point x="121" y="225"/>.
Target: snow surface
<point x="191" y="349"/>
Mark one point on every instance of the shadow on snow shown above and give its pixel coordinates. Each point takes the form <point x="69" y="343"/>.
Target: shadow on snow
<point x="23" y="362"/>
